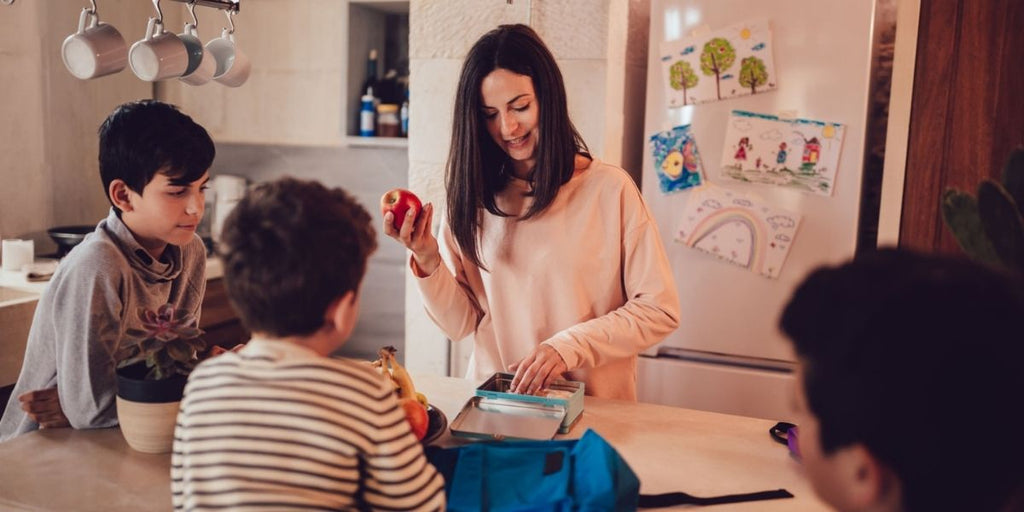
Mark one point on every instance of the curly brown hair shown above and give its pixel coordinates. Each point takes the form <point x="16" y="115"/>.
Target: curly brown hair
<point x="290" y="248"/>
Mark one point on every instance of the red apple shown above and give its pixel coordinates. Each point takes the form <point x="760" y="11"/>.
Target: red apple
<point x="398" y="201"/>
<point x="416" y="414"/>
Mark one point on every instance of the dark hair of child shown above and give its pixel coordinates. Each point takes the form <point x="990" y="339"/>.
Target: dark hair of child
<point x="290" y="248"/>
<point x="918" y="357"/>
<point x="143" y="138"/>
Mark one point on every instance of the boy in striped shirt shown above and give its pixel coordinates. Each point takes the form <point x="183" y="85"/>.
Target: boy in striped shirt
<point x="279" y="425"/>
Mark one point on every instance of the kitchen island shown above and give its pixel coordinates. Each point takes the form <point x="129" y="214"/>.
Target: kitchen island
<point x="670" y="449"/>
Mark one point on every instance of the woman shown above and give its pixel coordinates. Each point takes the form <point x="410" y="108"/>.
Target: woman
<point x="548" y="256"/>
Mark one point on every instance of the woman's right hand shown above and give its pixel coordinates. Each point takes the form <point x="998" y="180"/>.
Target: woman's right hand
<point x="417" y="236"/>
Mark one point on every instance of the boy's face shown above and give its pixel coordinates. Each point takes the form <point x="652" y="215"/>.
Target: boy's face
<point x="837" y="477"/>
<point x="167" y="212"/>
<point x="816" y="464"/>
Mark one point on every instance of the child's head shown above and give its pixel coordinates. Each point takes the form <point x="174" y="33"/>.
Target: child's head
<point x="140" y="139"/>
<point x="910" y="382"/>
<point x="293" y="251"/>
<point x="153" y="163"/>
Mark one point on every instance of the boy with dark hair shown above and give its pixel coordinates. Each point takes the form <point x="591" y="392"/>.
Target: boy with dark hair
<point x="279" y="424"/>
<point x="910" y="383"/>
<point x="154" y="164"/>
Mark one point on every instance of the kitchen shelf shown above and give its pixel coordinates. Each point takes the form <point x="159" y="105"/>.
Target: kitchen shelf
<point x="382" y="25"/>
<point x="356" y="141"/>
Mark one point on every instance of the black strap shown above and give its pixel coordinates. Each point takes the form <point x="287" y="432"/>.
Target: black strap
<point x="681" y="498"/>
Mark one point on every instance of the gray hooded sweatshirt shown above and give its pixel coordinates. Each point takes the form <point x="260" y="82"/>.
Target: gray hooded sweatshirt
<point x="81" y="318"/>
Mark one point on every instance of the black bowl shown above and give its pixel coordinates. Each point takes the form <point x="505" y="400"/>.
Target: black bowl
<point x="437" y="425"/>
<point x="67" y="237"/>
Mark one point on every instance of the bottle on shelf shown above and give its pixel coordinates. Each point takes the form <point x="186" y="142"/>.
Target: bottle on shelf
<point x="403" y="115"/>
<point x="371" y="74"/>
<point x="367" y="114"/>
<point x="366" y="118"/>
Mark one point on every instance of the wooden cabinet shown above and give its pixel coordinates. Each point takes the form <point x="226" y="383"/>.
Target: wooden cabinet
<point x="219" y="319"/>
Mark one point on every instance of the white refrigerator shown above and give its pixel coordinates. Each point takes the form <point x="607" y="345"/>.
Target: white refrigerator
<point x="728" y="355"/>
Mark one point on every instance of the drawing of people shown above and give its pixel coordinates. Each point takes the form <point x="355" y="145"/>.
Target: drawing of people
<point x="741" y="151"/>
<point x="758" y="163"/>
<point x="781" y="158"/>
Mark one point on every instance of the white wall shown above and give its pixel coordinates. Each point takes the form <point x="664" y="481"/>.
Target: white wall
<point x="48" y="145"/>
<point x="294" y="94"/>
<point x="600" y="46"/>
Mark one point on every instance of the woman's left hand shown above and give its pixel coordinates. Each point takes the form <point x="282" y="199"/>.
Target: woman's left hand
<point x="538" y="370"/>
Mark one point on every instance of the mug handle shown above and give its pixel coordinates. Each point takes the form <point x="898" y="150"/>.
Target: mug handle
<point x="86" y="15"/>
<point x="153" y="28"/>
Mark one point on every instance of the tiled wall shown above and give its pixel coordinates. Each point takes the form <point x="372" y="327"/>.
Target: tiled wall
<point x="48" y="145"/>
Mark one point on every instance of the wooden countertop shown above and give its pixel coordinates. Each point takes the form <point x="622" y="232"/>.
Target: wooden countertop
<point x="670" y="449"/>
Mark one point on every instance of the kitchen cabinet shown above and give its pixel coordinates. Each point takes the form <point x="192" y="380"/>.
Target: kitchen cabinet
<point x="219" y="321"/>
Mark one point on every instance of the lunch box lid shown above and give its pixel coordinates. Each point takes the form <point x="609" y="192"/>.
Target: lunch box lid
<point x="498" y="419"/>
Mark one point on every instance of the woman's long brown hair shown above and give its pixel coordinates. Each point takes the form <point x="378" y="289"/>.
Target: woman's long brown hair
<point x="473" y="174"/>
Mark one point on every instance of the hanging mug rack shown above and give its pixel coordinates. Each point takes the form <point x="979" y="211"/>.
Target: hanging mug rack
<point x="227" y="5"/>
<point x="97" y="49"/>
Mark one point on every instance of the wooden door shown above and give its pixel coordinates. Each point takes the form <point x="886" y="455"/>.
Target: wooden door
<point x="967" y="110"/>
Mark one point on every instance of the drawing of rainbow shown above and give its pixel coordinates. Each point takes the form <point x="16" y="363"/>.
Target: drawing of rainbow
<point x="758" y="230"/>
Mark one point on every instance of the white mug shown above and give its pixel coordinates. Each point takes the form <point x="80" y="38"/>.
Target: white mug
<point x="94" y="51"/>
<point x="201" y="63"/>
<point x="233" y="66"/>
<point x="159" y="55"/>
<point x="16" y="254"/>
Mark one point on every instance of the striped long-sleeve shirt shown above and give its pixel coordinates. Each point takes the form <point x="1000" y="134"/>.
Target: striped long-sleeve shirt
<point x="278" y="427"/>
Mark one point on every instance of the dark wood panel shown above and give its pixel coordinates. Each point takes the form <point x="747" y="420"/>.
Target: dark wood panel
<point x="966" y="111"/>
<point x="932" y="102"/>
<point x="219" y="319"/>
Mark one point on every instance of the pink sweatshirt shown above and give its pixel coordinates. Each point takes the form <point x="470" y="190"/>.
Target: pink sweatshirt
<point x="588" y="276"/>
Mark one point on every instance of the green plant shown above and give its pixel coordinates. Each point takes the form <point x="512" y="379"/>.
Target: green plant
<point x="990" y="227"/>
<point x="169" y="343"/>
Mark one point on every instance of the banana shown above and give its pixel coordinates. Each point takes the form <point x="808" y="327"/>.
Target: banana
<point x="398" y="375"/>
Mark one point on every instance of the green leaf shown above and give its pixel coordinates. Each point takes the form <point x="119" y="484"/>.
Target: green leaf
<point x="1013" y="177"/>
<point x="179" y="350"/>
<point x="150" y="345"/>
<point x="1002" y="222"/>
<point x="188" y="332"/>
<point x="960" y="212"/>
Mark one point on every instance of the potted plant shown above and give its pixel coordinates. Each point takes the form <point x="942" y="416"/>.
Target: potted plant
<point x="990" y="227"/>
<point x="151" y="376"/>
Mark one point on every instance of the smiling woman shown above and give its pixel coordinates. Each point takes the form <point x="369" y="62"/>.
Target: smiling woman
<point x="548" y="256"/>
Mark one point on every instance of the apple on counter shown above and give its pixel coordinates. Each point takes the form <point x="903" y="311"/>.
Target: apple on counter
<point x="398" y="201"/>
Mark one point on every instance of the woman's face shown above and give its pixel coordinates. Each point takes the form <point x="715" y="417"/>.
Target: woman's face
<point x="511" y="114"/>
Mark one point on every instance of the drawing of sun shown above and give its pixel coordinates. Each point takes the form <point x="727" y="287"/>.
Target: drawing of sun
<point x="745" y="33"/>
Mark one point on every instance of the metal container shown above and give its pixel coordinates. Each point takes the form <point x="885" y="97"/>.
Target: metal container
<point x="496" y="413"/>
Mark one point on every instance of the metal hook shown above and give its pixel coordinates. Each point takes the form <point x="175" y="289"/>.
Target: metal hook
<point x="7" y="2"/>
<point x="229" y="13"/>
<point x="94" y="11"/>
<point x="192" y="11"/>
<point x="159" y="13"/>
